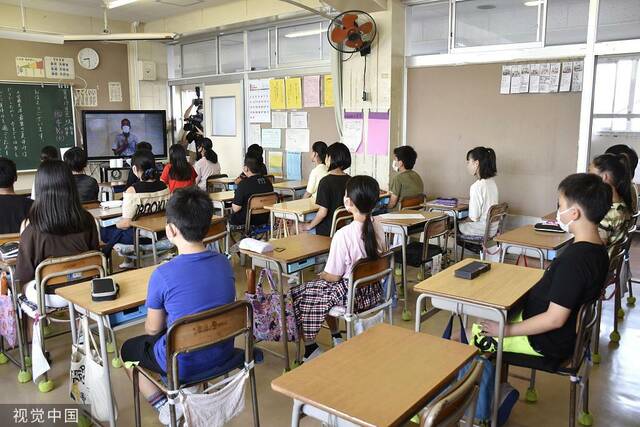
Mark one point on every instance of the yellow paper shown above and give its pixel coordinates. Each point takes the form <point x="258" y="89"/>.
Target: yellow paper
<point x="275" y="162"/>
<point x="294" y="92"/>
<point x="328" y="90"/>
<point x="276" y="88"/>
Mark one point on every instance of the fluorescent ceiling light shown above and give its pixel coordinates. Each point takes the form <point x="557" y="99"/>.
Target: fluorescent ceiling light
<point x="117" y="3"/>
<point x="32" y="37"/>
<point x="533" y="3"/>
<point x="118" y="37"/>
<point x="306" y="33"/>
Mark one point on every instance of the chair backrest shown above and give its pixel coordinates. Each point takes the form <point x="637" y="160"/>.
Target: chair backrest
<point x="585" y="321"/>
<point x="449" y="408"/>
<point x="12" y="237"/>
<point x="53" y="273"/>
<point x="271" y="178"/>
<point x="413" y="202"/>
<point x="206" y="329"/>
<point x="433" y="229"/>
<point x="257" y="202"/>
<point x="367" y="272"/>
<point x="616" y="258"/>
<point x="211" y="186"/>
<point x="495" y="220"/>
<point x="217" y="231"/>
<point x="341" y="217"/>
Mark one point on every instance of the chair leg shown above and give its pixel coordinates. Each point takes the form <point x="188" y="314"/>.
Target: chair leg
<point x="585" y="418"/>
<point x="254" y="398"/>
<point x="532" y="394"/>
<point x="572" y="402"/>
<point x="614" y="336"/>
<point x="136" y="397"/>
<point x="631" y="300"/>
<point x="172" y="413"/>
<point x="596" y="335"/>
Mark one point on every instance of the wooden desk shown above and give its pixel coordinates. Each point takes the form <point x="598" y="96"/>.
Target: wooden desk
<point x="220" y="198"/>
<point x="550" y="216"/>
<point x="227" y="183"/>
<point x="293" y="254"/>
<point x="380" y="378"/>
<point x="401" y="228"/>
<point x="526" y="237"/>
<point x="290" y="187"/>
<point x="133" y="292"/>
<point x="106" y="217"/>
<point x="488" y="296"/>
<point x="301" y="210"/>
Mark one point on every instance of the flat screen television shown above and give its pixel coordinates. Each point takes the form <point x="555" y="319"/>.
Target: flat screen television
<point x="105" y="133"/>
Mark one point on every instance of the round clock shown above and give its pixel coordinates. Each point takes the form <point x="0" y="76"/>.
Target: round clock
<point x="88" y="58"/>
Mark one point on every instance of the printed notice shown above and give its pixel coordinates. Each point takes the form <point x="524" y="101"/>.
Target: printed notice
<point x="115" y="92"/>
<point x="505" y="81"/>
<point x="534" y="78"/>
<point x="271" y="138"/>
<point x="27" y="66"/>
<point x="298" y="119"/>
<point x="294" y="92"/>
<point x="259" y="101"/>
<point x="515" y="79"/>
<point x="576" y="79"/>
<point x="279" y="119"/>
<point x="297" y="140"/>
<point x="276" y="87"/>
<point x="555" y="69"/>
<point x="565" y="79"/>
<point x="311" y="91"/>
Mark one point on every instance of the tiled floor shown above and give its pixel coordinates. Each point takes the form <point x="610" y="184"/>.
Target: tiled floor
<point x="614" y="399"/>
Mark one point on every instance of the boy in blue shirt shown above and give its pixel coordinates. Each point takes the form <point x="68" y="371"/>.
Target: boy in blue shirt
<point x="194" y="281"/>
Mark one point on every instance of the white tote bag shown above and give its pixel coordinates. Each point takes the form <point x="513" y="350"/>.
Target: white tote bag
<point x="88" y="383"/>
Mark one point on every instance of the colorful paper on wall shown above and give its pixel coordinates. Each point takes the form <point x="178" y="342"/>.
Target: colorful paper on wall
<point x="297" y="140"/>
<point x="271" y="138"/>
<point x="27" y="66"/>
<point x="328" y="90"/>
<point x="378" y="134"/>
<point x="294" y="166"/>
<point x="275" y="163"/>
<point x="311" y="91"/>
<point x="352" y="126"/>
<point x="276" y="94"/>
<point x="294" y="92"/>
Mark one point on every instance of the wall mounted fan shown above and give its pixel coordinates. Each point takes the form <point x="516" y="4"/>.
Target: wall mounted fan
<point x="352" y="31"/>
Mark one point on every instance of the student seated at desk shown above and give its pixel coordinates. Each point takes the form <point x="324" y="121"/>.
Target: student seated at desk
<point x="76" y="158"/>
<point x="318" y="156"/>
<point x="132" y="178"/>
<point x="331" y="189"/>
<point x="207" y="164"/>
<point x="614" y="171"/>
<point x="632" y="157"/>
<point x="145" y="197"/>
<point x="56" y="226"/>
<point x="362" y="238"/>
<point x="194" y="281"/>
<point x="253" y="183"/>
<point x="14" y="207"/>
<point x="546" y="323"/>
<point x="407" y="183"/>
<point x="481" y="163"/>
<point x="48" y="152"/>
<point x="178" y="173"/>
<point x="256" y="152"/>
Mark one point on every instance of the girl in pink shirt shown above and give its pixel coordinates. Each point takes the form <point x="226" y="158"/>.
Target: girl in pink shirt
<point x="363" y="238"/>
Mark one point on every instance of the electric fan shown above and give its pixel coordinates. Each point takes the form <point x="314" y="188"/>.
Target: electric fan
<point x="352" y="31"/>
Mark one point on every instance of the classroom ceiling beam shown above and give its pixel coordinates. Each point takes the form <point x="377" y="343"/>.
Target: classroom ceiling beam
<point x="369" y="6"/>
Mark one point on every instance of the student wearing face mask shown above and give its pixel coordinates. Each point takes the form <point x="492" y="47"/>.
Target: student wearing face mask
<point x="407" y="183"/>
<point x="125" y="142"/>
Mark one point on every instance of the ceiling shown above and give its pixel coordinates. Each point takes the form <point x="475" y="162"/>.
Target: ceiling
<point x="141" y="10"/>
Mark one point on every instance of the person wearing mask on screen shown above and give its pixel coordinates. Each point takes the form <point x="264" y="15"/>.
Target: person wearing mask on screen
<point x="126" y="142"/>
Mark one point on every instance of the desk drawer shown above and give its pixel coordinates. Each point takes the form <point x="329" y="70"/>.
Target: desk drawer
<point x="109" y="222"/>
<point x="300" y="265"/>
<point x="127" y="316"/>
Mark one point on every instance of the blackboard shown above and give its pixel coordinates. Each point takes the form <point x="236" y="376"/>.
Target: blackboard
<point x="31" y="116"/>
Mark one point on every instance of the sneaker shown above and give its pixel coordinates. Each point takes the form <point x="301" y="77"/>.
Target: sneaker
<point x="164" y="414"/>
<point x="126" y="264"/>
<point x="337" y="341"/>
<point x="317" y="352"/>
<point x="508" y="398"/>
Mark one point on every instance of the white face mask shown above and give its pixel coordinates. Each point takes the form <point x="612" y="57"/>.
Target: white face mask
<point x="125" y="129"/>
<point x="562" y="225"/>
<point x="395" y="166"/>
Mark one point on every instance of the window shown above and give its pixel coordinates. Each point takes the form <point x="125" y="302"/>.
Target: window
<point x="223" y="112"/>
<point x="199" y="58"/>
<point x="619" y="20"/>
<point x="300" y="43"/>
<point x="231" y="53"/>
<point x="258" y="49"/>
<point x="427" y="28"/>
<point x="616" y="100"/>
<point x="567" y="21"/>
<point x="496" y="22"/>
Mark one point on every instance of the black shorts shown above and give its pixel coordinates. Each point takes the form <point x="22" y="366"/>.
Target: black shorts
<point x="140" y="349"/>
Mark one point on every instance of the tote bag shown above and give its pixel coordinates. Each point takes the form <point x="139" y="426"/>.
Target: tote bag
<point x="266" y="311"/>
<point x="8" y="328"/>
<point x="88" y="383"/>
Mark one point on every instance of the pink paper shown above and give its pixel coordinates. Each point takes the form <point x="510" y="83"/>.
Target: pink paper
<point x="360" y="149"/>
<point x="311" y="91"/>
<point x="378" y="134"/>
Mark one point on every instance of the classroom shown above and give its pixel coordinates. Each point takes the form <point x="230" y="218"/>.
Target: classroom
<point x="319" y="213"/>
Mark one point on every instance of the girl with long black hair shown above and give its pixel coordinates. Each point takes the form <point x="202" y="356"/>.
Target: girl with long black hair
<point x="614" y="171"/>
<point x="362" y="238"/>
<point x="178" y="173"/>
<point x="207" y="164"/>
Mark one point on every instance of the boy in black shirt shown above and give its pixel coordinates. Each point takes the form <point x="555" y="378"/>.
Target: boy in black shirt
<point x="547" y="324"/>
<point x="254" y="183"/>
<point x="14" y="207"/>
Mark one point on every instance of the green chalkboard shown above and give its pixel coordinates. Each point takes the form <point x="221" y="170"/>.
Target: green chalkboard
<point x="32" y="116"/>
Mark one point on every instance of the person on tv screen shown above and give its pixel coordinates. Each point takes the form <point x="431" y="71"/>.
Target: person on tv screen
<point x="126" y="142"/>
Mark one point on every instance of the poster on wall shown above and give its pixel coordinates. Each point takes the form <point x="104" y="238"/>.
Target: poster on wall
<point x="259" y="101"/>
<point x="505" y="81"/>
<point x="576" y="79"/>
<point x="534" y="78"/>
<point x="524" y="78"/>
<point x="271" y="138"/>
<point x="328" y="90"/>
<point x="294" y="93"/>
<point x="297" y="140"/>
<point x="27" y="66"/>
<point x="352" y="127"/>
<point x="276" y="94"/>
<point x="274" y="160"/>
<point x="115" y="92"/>
<point x="555" y="69"/>
<point x="515" y="79"/>
<point x="58" y="67"/>
<point x="565" y="78"/>
<point x="311" y="91"/>
<point x="545" y="78"/>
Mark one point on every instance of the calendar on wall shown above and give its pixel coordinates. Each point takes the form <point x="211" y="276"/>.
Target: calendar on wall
<point x="57" y="67"/>
<point x="259" y="101"/>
